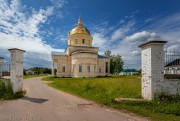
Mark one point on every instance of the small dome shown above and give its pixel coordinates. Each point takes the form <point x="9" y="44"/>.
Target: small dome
<point x="80" y="29"/>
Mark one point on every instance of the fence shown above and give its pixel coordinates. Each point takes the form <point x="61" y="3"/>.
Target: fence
<point x="172" y="64"/>
<point x="4" y="68"/>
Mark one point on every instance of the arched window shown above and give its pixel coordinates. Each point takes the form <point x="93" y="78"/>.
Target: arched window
<point x="76" y="41"/>
<point x="95" y="69"/>
<point x="80" y="68"/>
<point x="89" y="41"/>
<point x="106" y="67"/>
<point x="63" y="69"/>
<point x="88" y="69"/>
<point x="83" y="41"/>
<point x="99" y="70"/>
<point x="70" y="42"/>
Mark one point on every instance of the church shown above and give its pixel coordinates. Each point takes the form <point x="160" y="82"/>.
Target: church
<point x="80" y="58"/>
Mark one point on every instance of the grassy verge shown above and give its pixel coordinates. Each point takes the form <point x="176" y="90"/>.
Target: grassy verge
<point x="6" y="92"/>
<point x="104" y="90"/>
<point x="33" y="76"/>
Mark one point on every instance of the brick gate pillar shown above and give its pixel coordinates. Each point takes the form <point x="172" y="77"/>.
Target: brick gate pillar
<point x="16" y="69"/>
<point x="152" y="64"/>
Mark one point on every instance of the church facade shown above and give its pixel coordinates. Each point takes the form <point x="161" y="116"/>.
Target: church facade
<point x="80" y="58"/>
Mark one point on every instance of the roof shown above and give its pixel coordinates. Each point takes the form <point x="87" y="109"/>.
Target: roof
<point x="57" y="53"/>
<point x="173" y="63"/>
<point x="129" y="70"/>
<point x="152" y="42"/>
<point x="80" y="29"/>
<point x="16" y="49"/>
<point x="103" y="56"/>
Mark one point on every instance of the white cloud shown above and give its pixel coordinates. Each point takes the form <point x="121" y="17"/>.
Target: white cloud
<point x="58" y="3"/>
<point x="124" y="39"/>
<point x="152" y="19"/>
<point x="122" y="31"/>
<point x="173" y="47"/>
<point x="135" y="12"/>
<point x="119" y="41"/>
<point x="168" y="28"/>
<point x="141" y="36"/>
<point x="18" y="30"/>
<point x="99" y="40"/>
<point x="134" y="53"/>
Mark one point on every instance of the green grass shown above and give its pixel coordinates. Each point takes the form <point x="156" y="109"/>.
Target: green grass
<point x="104" y="90"/>
<point x="33" y="76"/>
<point x="6" y="92"/>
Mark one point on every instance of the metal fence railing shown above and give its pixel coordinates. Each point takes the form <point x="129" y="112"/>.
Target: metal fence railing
<point x="172" y="62"/>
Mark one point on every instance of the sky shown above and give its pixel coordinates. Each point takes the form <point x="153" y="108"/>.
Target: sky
<point x="41" y="26"/>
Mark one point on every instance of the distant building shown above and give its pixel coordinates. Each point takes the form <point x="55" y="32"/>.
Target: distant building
<point x="128" y="72"/>
<point x="29" y="72"/>
<point x="80" y="58"/>
<point x="172" y="67"/>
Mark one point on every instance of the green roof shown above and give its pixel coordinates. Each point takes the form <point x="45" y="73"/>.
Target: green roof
<point x="129" y="70"/>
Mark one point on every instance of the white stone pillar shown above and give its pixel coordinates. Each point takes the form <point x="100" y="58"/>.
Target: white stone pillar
<point x="52" y="68"/>
<point x="16" y="69"/>
<point x="152" y="62"/>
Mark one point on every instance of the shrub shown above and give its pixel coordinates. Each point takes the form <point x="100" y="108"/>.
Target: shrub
<point x="6" y="92"/>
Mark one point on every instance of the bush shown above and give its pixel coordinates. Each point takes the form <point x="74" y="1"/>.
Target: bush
<point x="6" y="92"/>
<point x="169" y="104"/>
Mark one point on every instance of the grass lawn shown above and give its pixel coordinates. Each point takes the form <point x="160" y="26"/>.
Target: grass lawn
<point x="103" y="90"/>
<point x="32" y="76"/>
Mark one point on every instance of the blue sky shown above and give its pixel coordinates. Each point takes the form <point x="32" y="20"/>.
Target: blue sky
<point x="41" y="26"/>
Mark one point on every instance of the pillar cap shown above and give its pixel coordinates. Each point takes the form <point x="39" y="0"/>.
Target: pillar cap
<point x="153" y="42"/>
<point x="16" y="49"/>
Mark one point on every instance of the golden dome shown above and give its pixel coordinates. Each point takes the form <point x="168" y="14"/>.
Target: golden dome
<point x="80" y="29"/>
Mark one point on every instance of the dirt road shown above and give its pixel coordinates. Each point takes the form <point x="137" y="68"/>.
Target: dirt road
<point x="44" y="103"/>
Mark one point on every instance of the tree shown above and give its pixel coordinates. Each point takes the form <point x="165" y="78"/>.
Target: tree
<point x="116" y="63"/>
<point x="108" y="53"/>
<point x="41" y="70"/>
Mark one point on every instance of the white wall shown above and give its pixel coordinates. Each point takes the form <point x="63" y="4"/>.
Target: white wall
<point x="153" y="81"/>
<point x="171" y="86"/>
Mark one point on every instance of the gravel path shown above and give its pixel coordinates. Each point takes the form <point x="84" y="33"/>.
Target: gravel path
<point x="44" y="103"/>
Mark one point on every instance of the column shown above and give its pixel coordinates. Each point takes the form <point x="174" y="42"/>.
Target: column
<point x="152" y="63"/>
<point x="16" y="69"/>
<point x="52" y="68"/>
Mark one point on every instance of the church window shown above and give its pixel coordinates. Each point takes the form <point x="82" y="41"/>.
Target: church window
<point x="70" y="41"/>
<point x="63" y="69"/>
<point x="83" y="41"/>
<point x="95" y="69"/>
<point x="88" y="68"/>
<point x="89" y="41"/>
<point x="106" y="67"/>
<point x="80" y="68"/>
<point x="99" y="70"/>
<point x="76" y="40"/>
